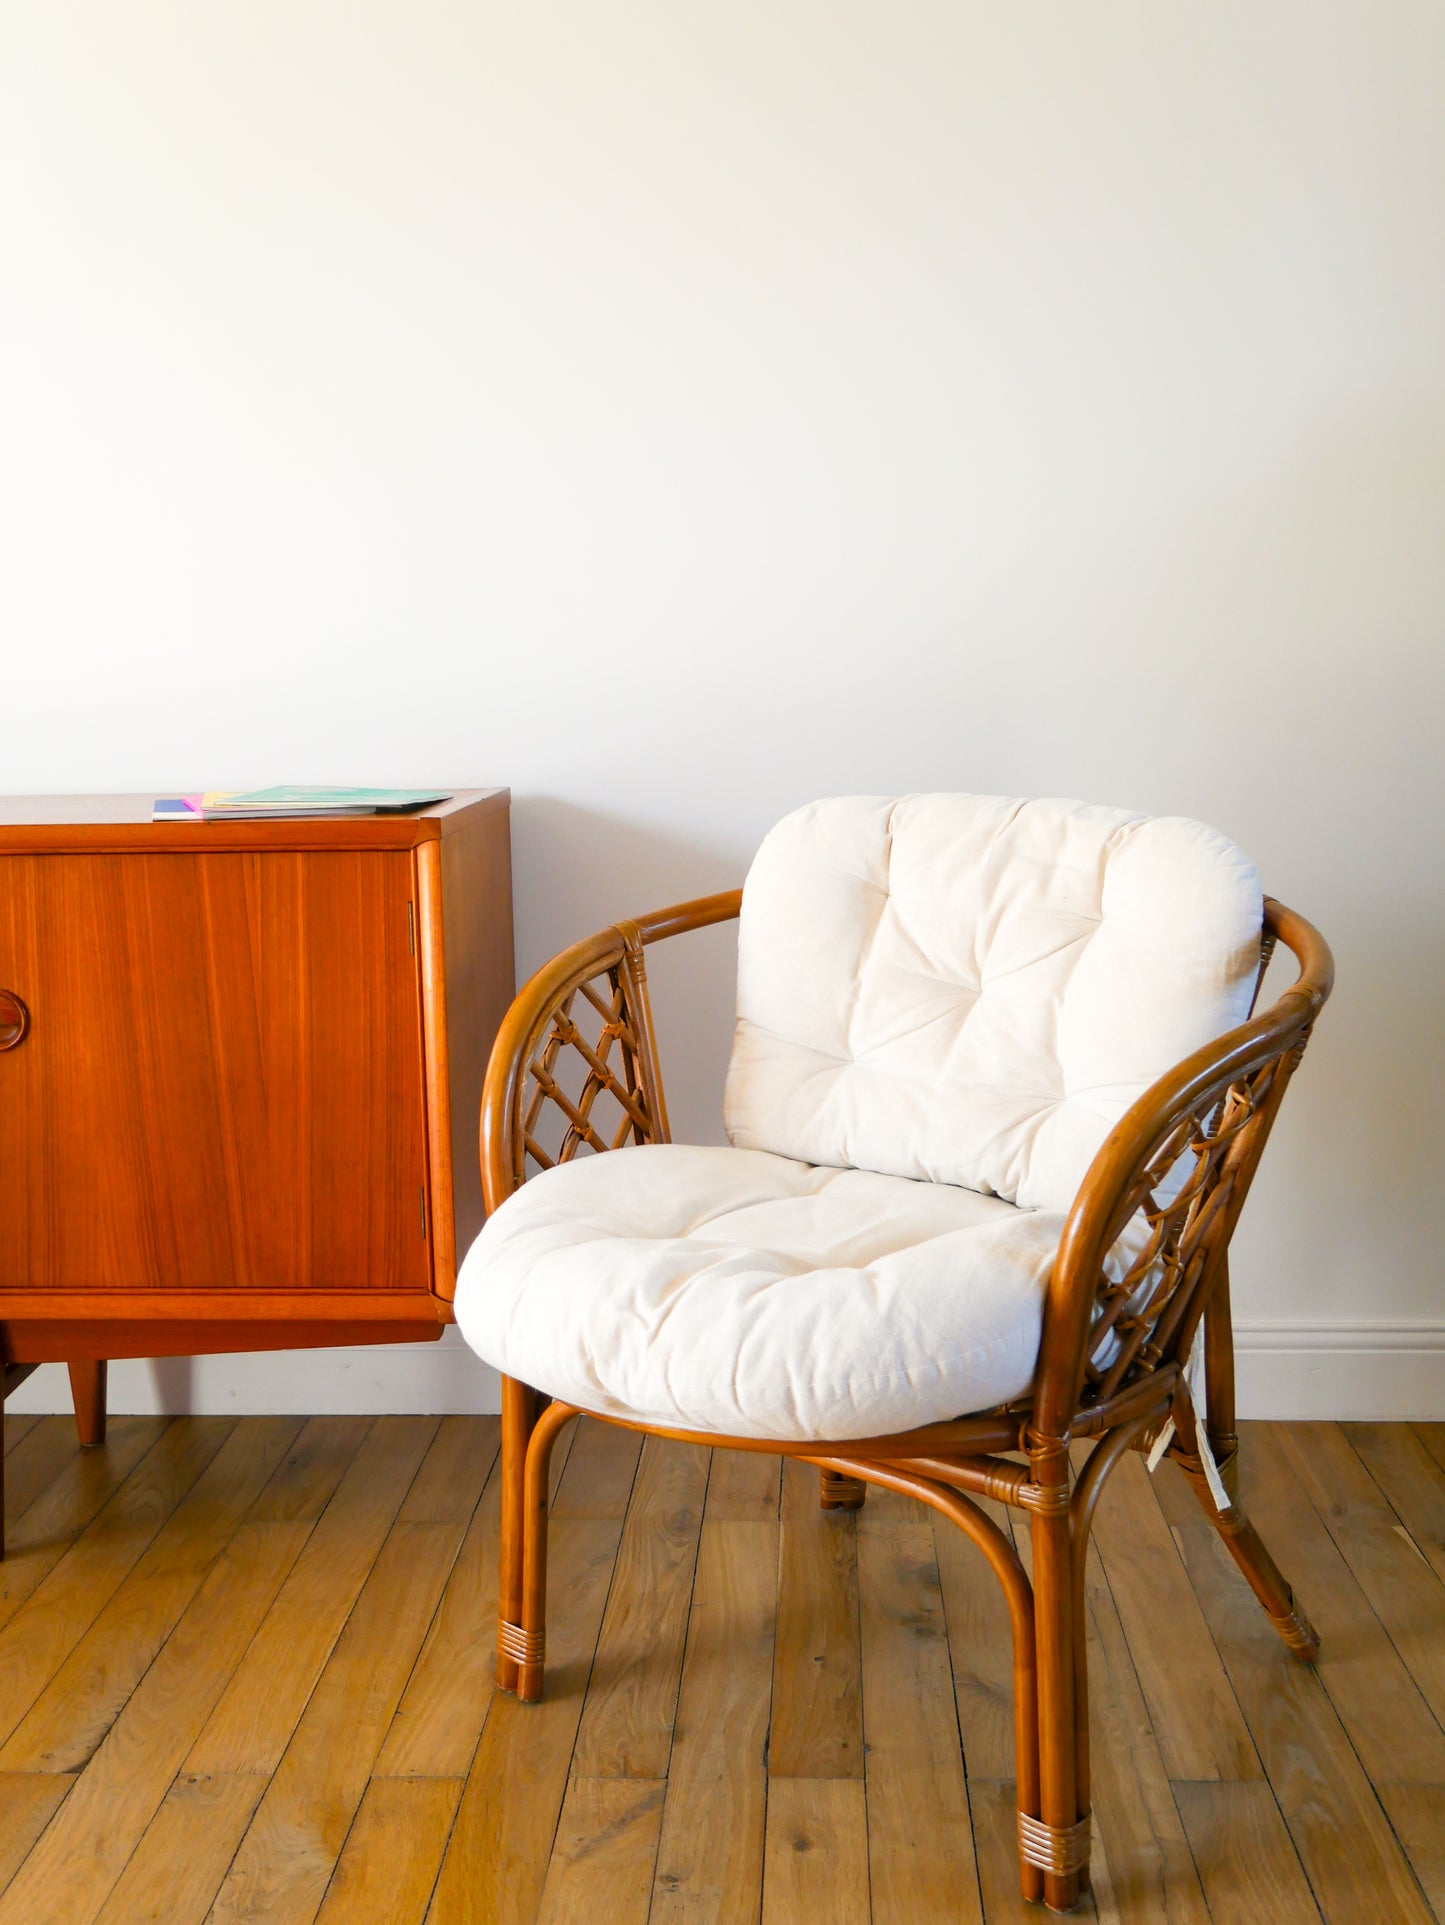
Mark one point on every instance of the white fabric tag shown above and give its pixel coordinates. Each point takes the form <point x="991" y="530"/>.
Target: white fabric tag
<point x="1211" y="1471"/>
<point x="1194" y="1387"/>
<point x="1194" y="1384"/>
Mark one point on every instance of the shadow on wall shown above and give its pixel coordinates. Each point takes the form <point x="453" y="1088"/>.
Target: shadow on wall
<point x="1352" y="1167"/>
<point x="577" y="870"/>
<point x="175" y="1384"/>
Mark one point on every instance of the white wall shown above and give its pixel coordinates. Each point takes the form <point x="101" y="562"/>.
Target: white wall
<point x="679" y="412"/>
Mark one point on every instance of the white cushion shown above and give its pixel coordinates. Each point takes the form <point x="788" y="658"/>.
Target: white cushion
<point x="973" y="989"/>
<point x="738" y="1292"/>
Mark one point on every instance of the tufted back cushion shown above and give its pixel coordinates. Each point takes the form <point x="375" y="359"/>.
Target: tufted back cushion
<point x="972" y="989"/>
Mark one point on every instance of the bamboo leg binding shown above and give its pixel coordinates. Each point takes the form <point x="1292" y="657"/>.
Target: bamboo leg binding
<point x="837" y="1492"/>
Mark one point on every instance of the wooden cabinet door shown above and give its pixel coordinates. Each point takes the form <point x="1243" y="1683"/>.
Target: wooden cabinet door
<point x="221" y="1083"/>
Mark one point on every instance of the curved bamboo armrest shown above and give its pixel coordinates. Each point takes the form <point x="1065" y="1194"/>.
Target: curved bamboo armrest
<point x="1178" y="1164"/>
<point x="612" y="1033"/>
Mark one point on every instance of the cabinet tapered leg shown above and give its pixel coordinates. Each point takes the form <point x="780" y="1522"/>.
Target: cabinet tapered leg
<point x="87" y="1387"/>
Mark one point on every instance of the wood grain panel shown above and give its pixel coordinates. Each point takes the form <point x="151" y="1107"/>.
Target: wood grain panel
<point x="816" y="1861"/>
<point x="1432" y="1436"/>
<point x="1145" y="1856"/>
<point x="1409" y="1476"/>
<point x="28" y="1801"/>
<point x="40" y="1456"/>
<point x="83" y="1852"/>
<point x="817" y="1726"/>
<point x="17" y="1428"/>
<point x="283" y="1866"/>
<point x="35" y="1642"/>
<point x="709" y="1861"/>
<point x="285" y="1861"/>
<point x="222" y="1084"/>
<point x="434" y="1732"/>
<point x="627" y="1723"/>
<point x="70" y="1716"/>
<point x="250" y="1726"/>
<point x="1377" y="1700"/>
<point x="979" y="1644"/>
<point x="173" y="1873"/>
<point x="1194" y="1708"/>
<point x="1417" y="1813"/>
<point x="604" y="1853"/>
<point x="386" y="1873"/>
<point x="302" y="1485"/>
<point x="1250" y="1867"/>
<point x="921" y="1859"/>
<point x="1390" y="1567"/>
<point x="41" y="1535"/>
<point x="1344" y="1840"/>
<point x="597" y="1481"/>
<point x="743" y="1487"/>
<point x="496" y="1862"/>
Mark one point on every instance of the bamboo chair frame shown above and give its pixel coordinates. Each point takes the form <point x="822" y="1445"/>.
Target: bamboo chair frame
<point x="1116" y="1337"/>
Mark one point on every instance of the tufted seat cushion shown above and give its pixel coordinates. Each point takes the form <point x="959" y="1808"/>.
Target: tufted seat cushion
<point x="973" y="989"/>
<point x="738" y="1292"/>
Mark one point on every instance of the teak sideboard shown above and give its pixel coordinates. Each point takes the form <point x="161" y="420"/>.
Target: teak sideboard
<point x="240" y="1071"/>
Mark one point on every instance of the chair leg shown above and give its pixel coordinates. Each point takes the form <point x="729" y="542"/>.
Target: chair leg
<point x="522" y="1618"/>
<point x="519" y="1415"/>
<point x="1243" y="1541"/>
<point x="1057" y="1841"/>
<point x="837" y="1492"/>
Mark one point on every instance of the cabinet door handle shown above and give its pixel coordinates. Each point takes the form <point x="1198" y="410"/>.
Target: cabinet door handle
<point x="14" y="1019"/>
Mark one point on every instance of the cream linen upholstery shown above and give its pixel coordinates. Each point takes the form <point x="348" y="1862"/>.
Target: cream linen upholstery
<point x="944" y="1004"/>
<point x="733" y="1291"/>
<point x="972" y="989"/>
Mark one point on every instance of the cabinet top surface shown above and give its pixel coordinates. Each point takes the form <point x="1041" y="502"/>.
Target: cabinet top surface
<point x="58" y="822"/>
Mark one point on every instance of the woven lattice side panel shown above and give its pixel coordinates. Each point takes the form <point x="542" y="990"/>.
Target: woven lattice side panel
<point x="583" y="1088"/>
<point x="1177" y="1213"/>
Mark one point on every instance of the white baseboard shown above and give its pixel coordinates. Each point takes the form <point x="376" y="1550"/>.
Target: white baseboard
<point x="404" y="1378"/>
<point x="1289" y="1370"/>
<point x="1346" y="1370"/>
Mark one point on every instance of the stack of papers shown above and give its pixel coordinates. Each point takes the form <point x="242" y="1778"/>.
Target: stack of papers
<point x="254" y="805"/>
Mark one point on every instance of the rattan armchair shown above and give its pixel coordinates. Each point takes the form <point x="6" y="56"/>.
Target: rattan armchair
<point x="1111" y="1365"/>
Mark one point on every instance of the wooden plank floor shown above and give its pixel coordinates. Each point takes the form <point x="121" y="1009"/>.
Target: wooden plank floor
<point x="246" y="1674"/>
